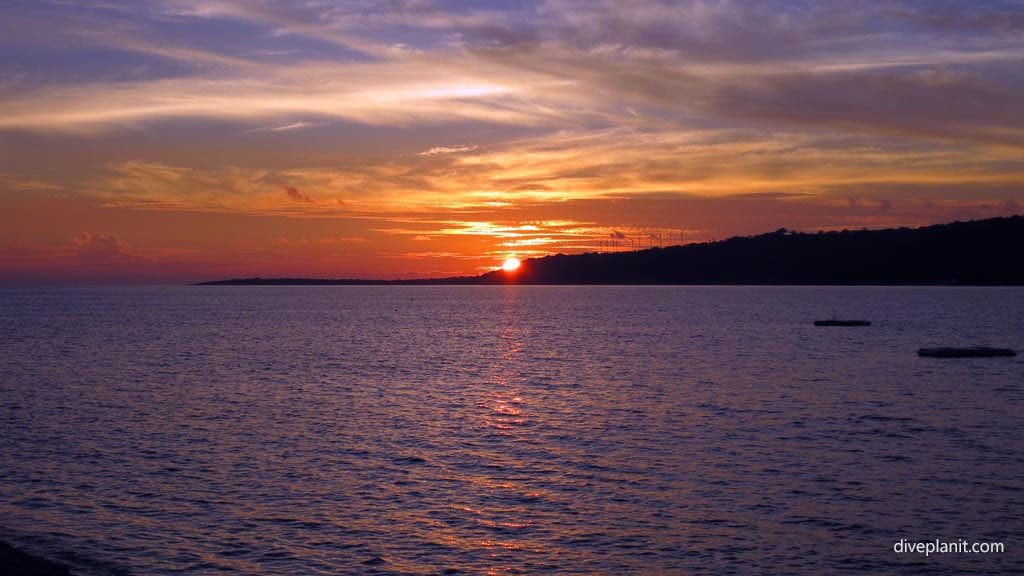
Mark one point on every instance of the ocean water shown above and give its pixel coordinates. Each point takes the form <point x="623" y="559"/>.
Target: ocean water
<point x="509" y="429"/>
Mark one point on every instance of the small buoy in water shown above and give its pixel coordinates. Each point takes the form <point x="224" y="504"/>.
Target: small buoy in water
<point x="971" y="352"/>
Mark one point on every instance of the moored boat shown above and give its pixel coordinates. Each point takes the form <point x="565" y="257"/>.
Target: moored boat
<point x="835" y="322"/>
<point x="969" y="352"/>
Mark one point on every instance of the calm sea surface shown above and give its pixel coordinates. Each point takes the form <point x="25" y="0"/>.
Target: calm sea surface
<point x="509" y="430"/>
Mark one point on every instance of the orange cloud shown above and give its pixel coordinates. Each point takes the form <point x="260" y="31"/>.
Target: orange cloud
<point x="568" y="125"/>
<point x="99" y="246"/>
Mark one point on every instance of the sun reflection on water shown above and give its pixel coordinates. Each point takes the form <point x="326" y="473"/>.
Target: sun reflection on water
<point x="507" y="513"/>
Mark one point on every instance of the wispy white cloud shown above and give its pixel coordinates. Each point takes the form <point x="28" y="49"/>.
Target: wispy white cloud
<point x="558" y="64"/>
<point x="434" y="151"/>
<point x="282" y="127"/>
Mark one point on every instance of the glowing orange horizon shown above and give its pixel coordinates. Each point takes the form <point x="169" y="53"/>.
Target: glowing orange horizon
<point x="171" y="156"/>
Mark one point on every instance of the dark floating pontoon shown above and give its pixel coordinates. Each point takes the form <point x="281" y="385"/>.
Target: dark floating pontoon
<point x="834" y="322"/>
<point x="971" y="352"/>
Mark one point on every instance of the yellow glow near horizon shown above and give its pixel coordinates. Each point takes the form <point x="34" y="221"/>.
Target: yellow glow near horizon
<point x="511" y="264"/>
<point x="396" y="142"/>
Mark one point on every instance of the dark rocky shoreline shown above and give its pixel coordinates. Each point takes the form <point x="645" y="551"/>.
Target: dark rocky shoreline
<point x="15" y="562"/>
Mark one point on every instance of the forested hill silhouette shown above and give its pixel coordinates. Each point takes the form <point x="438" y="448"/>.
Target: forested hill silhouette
<point x="976" y="252"/>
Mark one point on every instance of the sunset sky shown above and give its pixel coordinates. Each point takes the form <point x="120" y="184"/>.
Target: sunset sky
<point x="181" y="140"/>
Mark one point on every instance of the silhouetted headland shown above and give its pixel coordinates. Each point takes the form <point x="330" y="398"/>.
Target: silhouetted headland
<point x="979" y="252"/>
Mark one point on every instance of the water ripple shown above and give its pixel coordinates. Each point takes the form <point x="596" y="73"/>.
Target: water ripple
<point x="507" y="430"/>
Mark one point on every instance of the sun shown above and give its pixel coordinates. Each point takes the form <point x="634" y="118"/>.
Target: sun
<point x="511" y="264"/>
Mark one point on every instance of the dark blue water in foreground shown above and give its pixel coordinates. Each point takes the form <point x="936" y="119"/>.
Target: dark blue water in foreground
<point x="509" y="430"/>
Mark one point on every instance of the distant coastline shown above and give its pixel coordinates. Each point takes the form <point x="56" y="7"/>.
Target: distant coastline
<point x="973" y="253"/>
